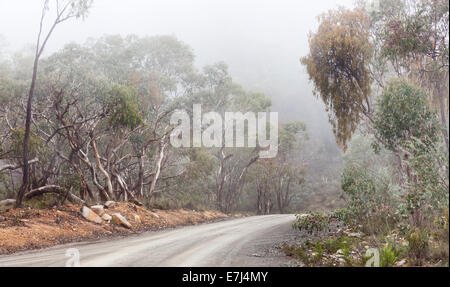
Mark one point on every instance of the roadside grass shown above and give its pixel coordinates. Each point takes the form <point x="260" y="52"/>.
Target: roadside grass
<point x="328" y="242"/>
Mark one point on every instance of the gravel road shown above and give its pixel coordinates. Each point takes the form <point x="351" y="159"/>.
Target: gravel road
<point x="245" y="241"/>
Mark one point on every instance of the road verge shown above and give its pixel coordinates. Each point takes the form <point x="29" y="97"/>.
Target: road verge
<point x="26" y="229"/>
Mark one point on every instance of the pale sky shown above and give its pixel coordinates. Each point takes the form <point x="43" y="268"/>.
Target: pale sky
<point x="260" y="40"/>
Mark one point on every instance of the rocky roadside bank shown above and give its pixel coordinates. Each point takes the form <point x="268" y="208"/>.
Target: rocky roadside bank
<point x="26" y="229"/>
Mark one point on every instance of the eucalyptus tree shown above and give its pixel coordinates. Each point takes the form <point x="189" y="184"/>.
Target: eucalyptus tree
<point x="278" y="181"/>
<point x="115" y="122"/>
<point x="412" y="37"/>
<point x="216" y="92"/>
<point x="65" y="10"/>
<point x="290" y="167"/>
<point x="69" y="105"/>
<point x="338" y="65"/>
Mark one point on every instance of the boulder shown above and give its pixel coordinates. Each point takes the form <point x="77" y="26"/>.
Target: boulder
<point x="106" y="217"/>
<point x="98" y="209"/>
<point x="109" y="204"/>
<point x="90" y="215"/>
<point x="118" y="219"/>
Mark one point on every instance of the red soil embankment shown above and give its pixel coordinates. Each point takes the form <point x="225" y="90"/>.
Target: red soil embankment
<point x="24" y="229"/>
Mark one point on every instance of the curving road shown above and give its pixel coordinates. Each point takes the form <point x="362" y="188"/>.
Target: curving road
<point x="236" y="242"/>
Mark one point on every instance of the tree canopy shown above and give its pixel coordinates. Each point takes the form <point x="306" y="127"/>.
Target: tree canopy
<point x="337" y="64"/>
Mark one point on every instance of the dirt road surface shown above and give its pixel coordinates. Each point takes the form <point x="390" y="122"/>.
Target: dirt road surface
<point x="245" y="241"/>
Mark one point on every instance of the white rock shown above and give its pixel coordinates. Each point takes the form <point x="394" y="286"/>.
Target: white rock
<point x="106" y="217"/>
<point x="98" y="209"/>
<point x="118" y="219"/>
<point x="90" y="215"/>
<point x="109" y="203"/>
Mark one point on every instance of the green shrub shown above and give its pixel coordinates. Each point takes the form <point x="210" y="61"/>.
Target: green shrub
<point x="318" y="250"/>
<point x="332" y="245"/>
<point x="389" y="255"/>
<point x="311" y="222"/>
<point x="296" y="252"/>
<point x="369" y="197"/>
<point x="418" y="245"/>
<point x="427" y="187"/>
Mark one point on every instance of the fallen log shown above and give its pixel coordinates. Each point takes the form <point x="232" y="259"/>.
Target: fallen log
<point x="54" y="189"/>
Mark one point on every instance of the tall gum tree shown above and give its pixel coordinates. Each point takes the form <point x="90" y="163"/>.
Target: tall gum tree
<point x="337" y="64"/>
<point x="64" y="10"/>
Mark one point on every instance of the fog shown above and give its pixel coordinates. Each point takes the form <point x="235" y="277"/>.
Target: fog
<point x="261" y="41"/>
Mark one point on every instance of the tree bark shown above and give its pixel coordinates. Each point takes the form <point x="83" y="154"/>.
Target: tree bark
<point x="140" y="182"/>
<point x="26" y="141"/>
<point x="162" y="145"/>
<point x="106" y="195"/>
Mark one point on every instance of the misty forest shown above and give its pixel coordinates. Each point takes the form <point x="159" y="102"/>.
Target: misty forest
<point x="363" y="133"/>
